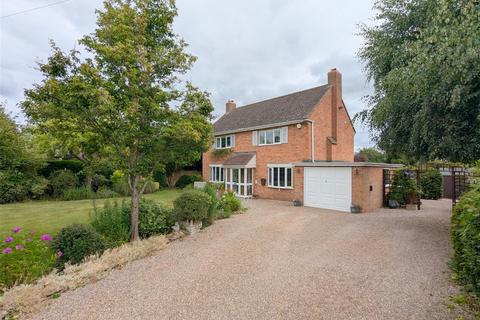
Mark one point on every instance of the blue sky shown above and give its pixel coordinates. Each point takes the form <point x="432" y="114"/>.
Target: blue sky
<point x="247" y="50"/>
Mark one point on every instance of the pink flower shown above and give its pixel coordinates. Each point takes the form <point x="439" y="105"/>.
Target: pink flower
<point x="46" y="237"/>
<point x="8" y="239"/>
<point x="19" y="247"/>
<point x="59" y="254"/>
<point x="17" y="229"/>
<point x="7" y="250"/>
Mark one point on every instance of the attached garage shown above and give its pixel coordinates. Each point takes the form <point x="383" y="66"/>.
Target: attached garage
<point x="328" y="187"/>
<point x="337" y="185"/>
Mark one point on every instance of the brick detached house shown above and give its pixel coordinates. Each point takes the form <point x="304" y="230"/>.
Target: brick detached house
<point x="295" y="147"/>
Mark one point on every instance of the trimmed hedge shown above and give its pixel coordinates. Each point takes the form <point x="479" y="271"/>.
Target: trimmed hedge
<point x="54" y="165"/>
<point x="465" y="234"/>
<point x="192" y="205"/>
<point x="186" y="180"/>
<point x="431" y="184"/>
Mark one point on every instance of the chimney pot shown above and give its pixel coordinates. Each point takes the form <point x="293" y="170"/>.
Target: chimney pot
<point x="230" y="106"/>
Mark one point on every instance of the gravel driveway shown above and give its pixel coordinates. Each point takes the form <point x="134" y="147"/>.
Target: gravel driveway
<point x="282" y="262"/>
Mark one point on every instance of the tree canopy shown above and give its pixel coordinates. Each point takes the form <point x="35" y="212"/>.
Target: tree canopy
<point x="370" y="155"/>
<point x="423" y="57"/>
<point x="126" y="98"/>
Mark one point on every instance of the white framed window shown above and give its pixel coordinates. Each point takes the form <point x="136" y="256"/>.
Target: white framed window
<point x="216" y="173"/>
<point x="224" y="142"/>
<point x="240" y="181"/>
<point x="280" y="176"/>
<point x="270" y="136"/>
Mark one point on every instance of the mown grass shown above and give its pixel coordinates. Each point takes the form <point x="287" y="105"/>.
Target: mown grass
<point x="51" y="216"/>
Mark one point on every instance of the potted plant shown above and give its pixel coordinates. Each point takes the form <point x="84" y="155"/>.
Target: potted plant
<point x="404" y="189"/>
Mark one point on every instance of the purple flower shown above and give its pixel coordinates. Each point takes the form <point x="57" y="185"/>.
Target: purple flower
<point x="59" y="254"/>
<point x="17" y="229"/>
<point x="8" y="239"/>
<point x="19" y="247"/>
<point x="46" y="237"/>
<point x="7" y="250"/>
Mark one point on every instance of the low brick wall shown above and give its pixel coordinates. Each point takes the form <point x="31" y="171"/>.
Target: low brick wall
<point x="367" y="187"/>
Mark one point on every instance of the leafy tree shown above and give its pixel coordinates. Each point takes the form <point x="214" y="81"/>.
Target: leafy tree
<point x="18" y="164"/>
<point x="126" y="97"/>
<point x="423" y="59"/>
<point x="370" y="155"/>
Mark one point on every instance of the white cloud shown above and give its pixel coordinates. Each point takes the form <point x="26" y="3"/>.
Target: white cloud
<point x="247" y="50"/>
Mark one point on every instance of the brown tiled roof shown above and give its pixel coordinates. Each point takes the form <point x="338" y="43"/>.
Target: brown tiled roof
<point x="239" y="158"/>
<point x="288" y="108"/>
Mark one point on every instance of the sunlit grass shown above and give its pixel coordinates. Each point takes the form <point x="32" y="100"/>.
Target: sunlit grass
<point x="50" y="216"/>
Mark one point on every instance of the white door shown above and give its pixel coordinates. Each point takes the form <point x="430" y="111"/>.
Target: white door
<point x="328" y="188"/>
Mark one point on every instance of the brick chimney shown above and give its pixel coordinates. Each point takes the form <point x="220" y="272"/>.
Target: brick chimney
<point x="230" y="106"/>
<point x="335" y="80"/>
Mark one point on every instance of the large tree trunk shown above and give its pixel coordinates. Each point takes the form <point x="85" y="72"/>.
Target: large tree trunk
<point x="136" y="194"/>
<point x="135" y="205"/>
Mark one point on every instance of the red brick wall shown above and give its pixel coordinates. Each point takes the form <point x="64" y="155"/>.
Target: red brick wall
<point x="362" y="179"/>
<point x="296" y="150"/>
<point x="321" y="115"/>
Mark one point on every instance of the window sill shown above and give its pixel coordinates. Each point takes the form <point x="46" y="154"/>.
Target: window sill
<point x="269" y="144"/>
<point x="287" y="188"/>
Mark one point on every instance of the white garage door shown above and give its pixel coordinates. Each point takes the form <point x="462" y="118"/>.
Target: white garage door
<point x="328" y="188"/>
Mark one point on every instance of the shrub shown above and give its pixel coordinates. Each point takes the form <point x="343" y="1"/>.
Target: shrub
<point x="99" y="181"/>
<point x="77" y="242"/>
<point x="74" y="166"/>
<point x="465" y="234"/>
<point x="104" y="193"/>
<point x="38" y="188"/>
<point x="62" y="180"/>
<point x="403" y="185"/>
<point x="230" y="203"/>
<point x="192" y="205"/>
<point x="24" y="257"/>
<point x="224" y="214"/>
<point x="211" y="190"/>
<point x="153" y="219"/>
<point x="113" y="222"/>
<point x="431" y="184"/>
<point x="78" y="194"/>
<point x="14" y="186"/>
<point x="151" y="187"/>
<point x="186" y="180"/>
<point x="120" y="185"/>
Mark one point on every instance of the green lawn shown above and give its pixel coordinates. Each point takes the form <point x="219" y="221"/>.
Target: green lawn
<point x="50" y="216"/>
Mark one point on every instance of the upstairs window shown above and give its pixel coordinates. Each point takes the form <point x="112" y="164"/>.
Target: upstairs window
<point x="224" y="142"/>
<point x="270" y="136"/>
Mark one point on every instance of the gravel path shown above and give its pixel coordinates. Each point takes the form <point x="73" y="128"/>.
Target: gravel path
<point x="282" y="262"/>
